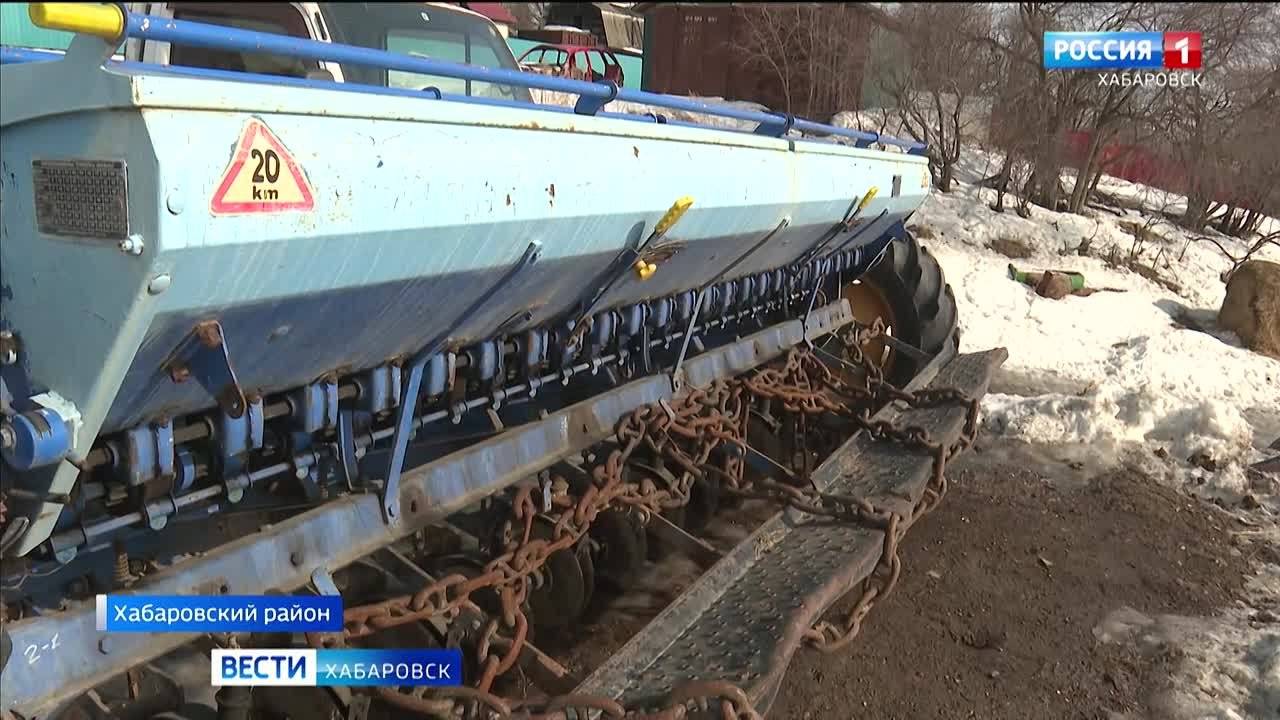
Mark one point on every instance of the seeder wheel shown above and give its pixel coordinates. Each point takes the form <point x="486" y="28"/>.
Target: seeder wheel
<point x="623" y="547"/>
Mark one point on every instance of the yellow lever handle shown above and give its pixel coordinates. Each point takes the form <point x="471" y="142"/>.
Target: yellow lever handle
<point x="866" y="199"/>
<point x="104" y="21"/>
<point x="673" y="215"/>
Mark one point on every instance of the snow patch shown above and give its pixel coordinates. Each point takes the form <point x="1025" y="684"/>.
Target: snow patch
<point x="1140" y="368"/>
<point x="1140" y="377"/>
<point x="1230" y="665"/>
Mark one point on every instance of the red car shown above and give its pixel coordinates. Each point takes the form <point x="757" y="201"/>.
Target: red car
<point x="578" y="62"/>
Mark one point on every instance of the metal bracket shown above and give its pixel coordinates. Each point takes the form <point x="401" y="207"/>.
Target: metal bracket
<point x="238" y="435"/>
<point x="323" y="582"/>
<point x="409" y="399"/>
<point x="591" y="105"/>
<point x="149" y="452"/>
<point x="204" y="355"/>
<point x="380" y="388"/>
<point x="776" y="129"/>
<point x="348" y="463"/>
<point x="315" y="406"/>
<point x="157" y="512"/>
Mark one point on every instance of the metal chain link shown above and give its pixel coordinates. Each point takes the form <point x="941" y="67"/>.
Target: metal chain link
<point x="687" y="434"/>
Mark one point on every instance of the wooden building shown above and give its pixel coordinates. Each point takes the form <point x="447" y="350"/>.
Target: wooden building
<point x="815" y="67"/>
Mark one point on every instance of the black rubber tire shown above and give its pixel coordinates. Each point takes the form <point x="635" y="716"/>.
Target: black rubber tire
<point x="624" y="548"/>
<point x="562" y="602"/>
<point x="923" y="304"/>
<point x="704" y="501"/>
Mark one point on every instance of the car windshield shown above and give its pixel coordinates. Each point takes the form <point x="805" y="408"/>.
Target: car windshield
<point x="425" y="31"/>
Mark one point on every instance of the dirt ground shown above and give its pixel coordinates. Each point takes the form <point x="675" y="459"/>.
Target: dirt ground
<point x="1002" y="588"/>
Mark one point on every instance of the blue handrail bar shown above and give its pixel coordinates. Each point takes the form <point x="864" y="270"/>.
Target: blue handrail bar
<point x="13" y="55"/>
<point x="592" y="97"/>
<point x="10" y="55"/>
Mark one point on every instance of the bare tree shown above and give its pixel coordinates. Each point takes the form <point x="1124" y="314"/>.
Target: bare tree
<point x="1201" y="126"/>
<point x="528" y="14"/>
<point x="1036" y="107"/>
<point x="1252" y="159"/>
<point x="768" y="33"/>
<point x="815" y="52"/>
<point x="1222" y="135"/>
<point x="1272" y="239"/>
<point x="945" y="61"/>
<point x="936" y="98"/>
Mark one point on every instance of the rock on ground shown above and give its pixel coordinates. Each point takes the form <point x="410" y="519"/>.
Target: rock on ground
<point x="1251" y="308"/>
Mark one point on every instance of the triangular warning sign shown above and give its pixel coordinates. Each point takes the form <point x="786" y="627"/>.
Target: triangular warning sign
<point x="262" y="177"/>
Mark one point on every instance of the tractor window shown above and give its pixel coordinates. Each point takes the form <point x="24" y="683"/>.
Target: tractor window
<point x="276" y="18"/>
<point x="442" y="46"/>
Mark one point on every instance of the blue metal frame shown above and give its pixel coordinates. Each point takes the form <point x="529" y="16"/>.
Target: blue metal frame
<point x="592" y="97"/>
<point x="13" y="55"/>
<point x="284" y="556"/>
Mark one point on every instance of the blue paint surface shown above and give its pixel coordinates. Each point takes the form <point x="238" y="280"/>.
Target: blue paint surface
<point x="419" y="206"/>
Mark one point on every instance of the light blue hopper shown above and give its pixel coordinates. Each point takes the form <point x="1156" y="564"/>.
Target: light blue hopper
<point x="191" y="257"/>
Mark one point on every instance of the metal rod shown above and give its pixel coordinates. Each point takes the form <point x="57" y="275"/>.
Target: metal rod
<point x="698" y="550"/>
<point x="79" y="537"/>
<point x="702" y="292"/>
<point x="184" y="32"/>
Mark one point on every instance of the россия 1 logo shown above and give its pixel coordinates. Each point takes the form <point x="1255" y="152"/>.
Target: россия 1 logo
<point x="1122" y="51"/>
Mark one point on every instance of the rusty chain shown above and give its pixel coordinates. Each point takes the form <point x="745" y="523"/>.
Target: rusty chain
<point x="793" y="386"/>
<point x="687" y="434"/>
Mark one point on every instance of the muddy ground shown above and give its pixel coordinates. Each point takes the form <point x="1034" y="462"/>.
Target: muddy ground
<point x="1002" y="589"/>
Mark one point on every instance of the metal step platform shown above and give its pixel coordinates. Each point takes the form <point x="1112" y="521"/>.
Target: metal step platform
<point x="745" y="617"/>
